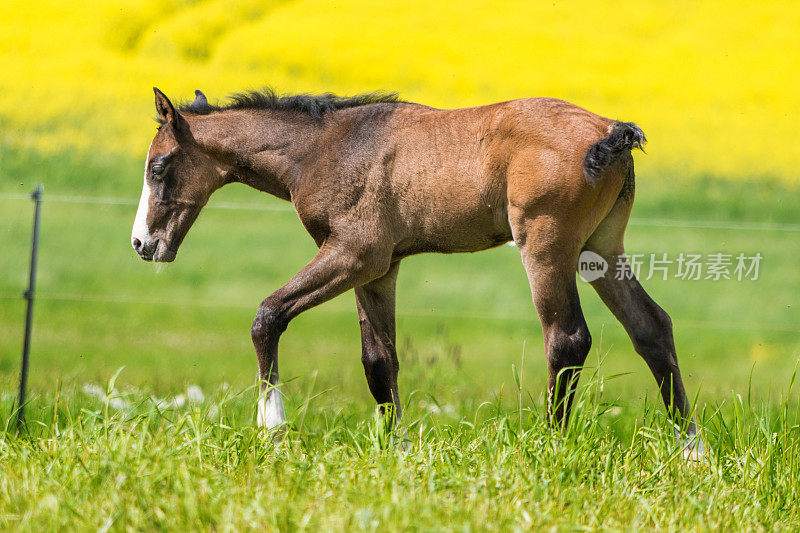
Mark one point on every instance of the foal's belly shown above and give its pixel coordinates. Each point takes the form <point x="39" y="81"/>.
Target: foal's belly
<point x="454" y="232"/>
<point x="449" y="206"/>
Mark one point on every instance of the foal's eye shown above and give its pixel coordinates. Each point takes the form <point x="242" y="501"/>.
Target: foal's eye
<point x="157" y="170"/>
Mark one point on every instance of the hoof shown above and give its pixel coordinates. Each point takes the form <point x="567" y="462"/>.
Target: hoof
<point x="692" y="447"/>
<point x="401" y="441"/>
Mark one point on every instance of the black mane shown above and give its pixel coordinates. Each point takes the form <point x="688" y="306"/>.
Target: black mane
<point x="314" y="105"/>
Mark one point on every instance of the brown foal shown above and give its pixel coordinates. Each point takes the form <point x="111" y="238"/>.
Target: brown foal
<point x="374" y="180"/>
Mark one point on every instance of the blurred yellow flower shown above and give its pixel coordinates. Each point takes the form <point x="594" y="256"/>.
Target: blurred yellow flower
<point x="713" y="84"/>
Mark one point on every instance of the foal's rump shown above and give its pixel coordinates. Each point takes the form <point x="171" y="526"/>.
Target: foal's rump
<point x="576" y="135"/>
<point x="564" y="166"/>
<point x="458" y="174"/>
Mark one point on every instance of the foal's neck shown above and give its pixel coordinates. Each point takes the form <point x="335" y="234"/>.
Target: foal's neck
<point x="265" y="149"/>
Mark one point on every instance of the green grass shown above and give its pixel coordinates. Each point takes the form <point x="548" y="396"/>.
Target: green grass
<point x="88" y="466"/>
<point x="462" y="324"/>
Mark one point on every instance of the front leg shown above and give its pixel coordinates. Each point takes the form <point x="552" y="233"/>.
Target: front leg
<point x="376" y="309"/>
<point x="336" y="268"/>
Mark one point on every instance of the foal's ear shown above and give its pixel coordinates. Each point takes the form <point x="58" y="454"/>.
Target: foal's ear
<point x="200" y="99"/>
<point x="166" y="110"/>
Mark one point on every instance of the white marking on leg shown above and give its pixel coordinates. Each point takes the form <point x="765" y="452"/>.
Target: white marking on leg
<point x="270" y="409"/>
<point x="140" y="229"/>
<point x="691" y="444"/>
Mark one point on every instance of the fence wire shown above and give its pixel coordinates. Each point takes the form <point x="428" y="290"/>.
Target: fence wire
<point x="408" y="313"/>
<point x="666" y="223"/>
<point x="730" y="225"/>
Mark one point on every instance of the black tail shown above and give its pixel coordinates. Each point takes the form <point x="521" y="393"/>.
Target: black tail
<point x="624" y="137"/>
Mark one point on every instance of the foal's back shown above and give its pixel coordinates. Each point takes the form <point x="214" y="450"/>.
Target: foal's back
<point x="442" y="180"/>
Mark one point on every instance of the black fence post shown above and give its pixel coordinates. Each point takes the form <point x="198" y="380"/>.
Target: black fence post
<point x="23" y="375"/>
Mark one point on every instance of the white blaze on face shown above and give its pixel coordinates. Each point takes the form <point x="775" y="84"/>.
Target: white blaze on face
<point x="140" y="229"/>
<point x="270" y="409"/>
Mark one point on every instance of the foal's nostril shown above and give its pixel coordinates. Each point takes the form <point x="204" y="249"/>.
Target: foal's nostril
<point x="137" y="244"/>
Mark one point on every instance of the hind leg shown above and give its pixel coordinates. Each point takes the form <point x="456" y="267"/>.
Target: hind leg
<point x="549" y="258"/>
<point x="647" y="324"/>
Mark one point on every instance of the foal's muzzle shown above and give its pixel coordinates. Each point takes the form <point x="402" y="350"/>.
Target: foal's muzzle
<point x="155" y="250"/>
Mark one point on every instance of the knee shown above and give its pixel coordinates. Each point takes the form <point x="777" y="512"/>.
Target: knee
<point x="569" y="348"/>
<point x="377" y="360"/>
<point x="268" y="322"/>
<point x="370" y="359"/>
<point x="654" y="335"/>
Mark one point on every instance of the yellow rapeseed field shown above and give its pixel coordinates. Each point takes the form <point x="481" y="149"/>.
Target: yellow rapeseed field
<point x="715" y="85"/>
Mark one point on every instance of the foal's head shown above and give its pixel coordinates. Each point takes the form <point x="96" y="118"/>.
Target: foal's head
<point x="178" y="180"/>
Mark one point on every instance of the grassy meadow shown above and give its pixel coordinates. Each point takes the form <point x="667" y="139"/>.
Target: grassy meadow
<point x="142" y="407"/>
